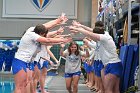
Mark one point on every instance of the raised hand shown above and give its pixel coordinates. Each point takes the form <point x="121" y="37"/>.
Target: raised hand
<point x="73" y="29"/>
<point x="60" y="30"/>
<point x="67" y="39"/>
<point x="75" y="23"/>
<point x="63" y="19"/>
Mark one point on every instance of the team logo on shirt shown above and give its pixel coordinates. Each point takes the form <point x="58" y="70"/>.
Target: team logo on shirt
<point x="40" y="4"/>
<point x="73" y="58"/>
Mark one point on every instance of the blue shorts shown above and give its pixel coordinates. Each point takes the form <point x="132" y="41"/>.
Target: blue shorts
<point x="87" y="67"/>
<point x="45" y="64"/>
<point x="69" y="75"/>
<point x="98" y="66"/>
<point x="18" y="65"/>
<point x="114" y="68"/>
<point x="92" y="66"/>
<point x="95" y="64"/>
<point x="38" y="65"/>
<point x="30" y="66"/>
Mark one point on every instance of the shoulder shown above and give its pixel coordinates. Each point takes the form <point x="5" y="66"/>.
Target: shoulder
<point x="31" y="29"/>
<point x="105" y="37"/>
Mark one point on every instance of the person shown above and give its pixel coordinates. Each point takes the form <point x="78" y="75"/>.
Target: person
<point x="83" y="70"/>
<point x="92" y="45"/>
<point x="72" y="65"/>
<point x="41" y="62"/>
<point x="87" y="65"/>
<point x="27" y="47"/>
<point x="112" y="70"/>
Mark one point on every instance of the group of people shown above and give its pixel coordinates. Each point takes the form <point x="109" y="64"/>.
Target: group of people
<point x="99" y="56"/>
<point x="103" y="66"/>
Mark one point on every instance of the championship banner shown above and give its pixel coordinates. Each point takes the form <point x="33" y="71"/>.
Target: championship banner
<point x="39" y="8"/>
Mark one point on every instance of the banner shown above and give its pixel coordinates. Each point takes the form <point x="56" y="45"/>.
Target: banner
<point x="39" y="8"/>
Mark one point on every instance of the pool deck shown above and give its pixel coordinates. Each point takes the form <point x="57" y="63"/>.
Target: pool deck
<point x="56" y="84"/>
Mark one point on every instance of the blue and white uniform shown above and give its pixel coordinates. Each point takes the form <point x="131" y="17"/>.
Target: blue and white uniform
<point x="42" y="54"/>
<point x="92" y="45"/>
<point x="88" y="68"/>
<point x="73" y="64"/>
<point x="27" y="48"/>
<point x="109" y="56"/>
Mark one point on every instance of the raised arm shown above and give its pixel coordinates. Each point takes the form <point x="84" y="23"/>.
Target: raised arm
<point x="89" y="43"/>
<point x="54" y="40"/>
<point x="94" y="36"/>
<point x="75" y="23"/>
<point x="56" y="22"/>
<point x="55" y="33"/>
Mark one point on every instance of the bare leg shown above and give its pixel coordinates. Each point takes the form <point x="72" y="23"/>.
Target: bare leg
<point x="20" y="81"/>
<point x="101" y="88"/>
<point x="87" y="84"/>
<point x="109" y="83"/>
<point x="68" y="84"/>
<point x="36" y="75"/>
<point x="117" y="84"/>
<point x="75" y="83"/>
<point x="96" y="83"/>
<point x="29" y="87"/>
<point x="90" y="79"/>
<point x="42" y="80"/>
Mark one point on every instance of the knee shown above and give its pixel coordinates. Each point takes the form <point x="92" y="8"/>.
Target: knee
<point x="43" y="74"/>
<point x="75" y="88"/>
<point x="68" y="87"/>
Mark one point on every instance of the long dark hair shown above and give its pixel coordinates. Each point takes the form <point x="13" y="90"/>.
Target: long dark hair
<point x="77" y="51"/>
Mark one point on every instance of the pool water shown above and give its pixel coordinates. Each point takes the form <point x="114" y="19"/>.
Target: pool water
<point x="7" y="87"/>
<point x="7" y="83"/>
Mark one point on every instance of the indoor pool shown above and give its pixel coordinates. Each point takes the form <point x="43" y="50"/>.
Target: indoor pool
<point x="6" y="87"/>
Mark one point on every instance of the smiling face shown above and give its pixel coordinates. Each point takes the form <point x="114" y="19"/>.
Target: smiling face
<point x="73" y="48"/>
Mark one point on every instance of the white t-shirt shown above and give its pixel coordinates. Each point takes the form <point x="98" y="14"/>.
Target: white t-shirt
<point x="28" y="45"/>
<point x="73" y="62"/>
<point x="97" y="55"/>
<point x="107" y="49"/>
<point x="91" y="53"/>
<point x="92" y="45"/>
<point x="43" y="53"/>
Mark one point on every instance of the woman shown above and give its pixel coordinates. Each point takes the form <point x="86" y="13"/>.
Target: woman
<point x="72" y="65"/>
<point x="91" y="59"/>
<point x="41" y="62"/>
<point x="27" y="48"/>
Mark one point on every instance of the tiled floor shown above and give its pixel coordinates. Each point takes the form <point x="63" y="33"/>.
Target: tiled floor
<point x="57" y="85"/>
